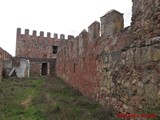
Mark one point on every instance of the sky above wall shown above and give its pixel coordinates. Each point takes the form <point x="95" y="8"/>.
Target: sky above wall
<point x="67" y="17"/>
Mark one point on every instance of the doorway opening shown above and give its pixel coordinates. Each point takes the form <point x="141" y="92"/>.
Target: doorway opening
<point x="44" y="69"/>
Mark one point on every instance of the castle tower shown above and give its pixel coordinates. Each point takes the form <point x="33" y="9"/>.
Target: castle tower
<point x="17" y="41"/>
<point x="112" y="22"/>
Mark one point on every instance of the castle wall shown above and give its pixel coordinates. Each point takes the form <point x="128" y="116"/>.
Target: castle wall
<point x="120" y="67"/>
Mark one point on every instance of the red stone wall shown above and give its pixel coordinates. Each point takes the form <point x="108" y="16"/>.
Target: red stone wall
<point x="1" y="69"/>
<point x="77" y="59"/>
<point x="36" y="68"/>
<point x="121" y="66"/>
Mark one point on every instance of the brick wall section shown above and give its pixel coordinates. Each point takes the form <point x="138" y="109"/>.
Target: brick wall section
<point x="1" y="68"/>
<point x="37" y="64"/>
<point x="4" y="55"/>
<point x="36" y="68"/>
<point x="120" y="67"/>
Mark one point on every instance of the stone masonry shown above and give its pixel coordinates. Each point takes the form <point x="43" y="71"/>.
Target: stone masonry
<point x="4" y="55"/>
<point x="115" y="65"/>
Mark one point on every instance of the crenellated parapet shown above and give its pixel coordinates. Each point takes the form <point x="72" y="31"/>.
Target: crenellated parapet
<point x="41" y="34"/>
<point x="26" y="31"/>
<point x="70" y="37"/>
<point x="18" y="31"/>
<point x="112" y="23"/>
<point x="62" y="36"/>
<point x="39" y="46"/>
<point x="55" y="35"/>
<point x="34" y="32"/>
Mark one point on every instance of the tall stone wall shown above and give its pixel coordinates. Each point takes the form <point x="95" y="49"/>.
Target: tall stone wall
<point x="120" y="66"/>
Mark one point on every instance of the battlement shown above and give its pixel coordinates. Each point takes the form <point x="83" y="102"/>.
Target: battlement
<point x="34" y="33"/>
<point x="62" y="36"/>
<point x="70" y="37"/>
<point x="39" y="46"/>
<point x="112" y="22"/>
<point x="41" y="33"/>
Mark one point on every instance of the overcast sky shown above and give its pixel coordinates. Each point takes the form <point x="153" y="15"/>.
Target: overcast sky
<point x="68" y="17"/>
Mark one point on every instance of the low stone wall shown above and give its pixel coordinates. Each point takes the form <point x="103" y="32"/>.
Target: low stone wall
<point x="4" y="55"/>
<point x="1" y="69"/>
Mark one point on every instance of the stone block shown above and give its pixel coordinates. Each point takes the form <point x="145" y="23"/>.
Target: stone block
<point x="146" y="54"/>
<point x="151" y="91"/>
<point x="155" y="54"/>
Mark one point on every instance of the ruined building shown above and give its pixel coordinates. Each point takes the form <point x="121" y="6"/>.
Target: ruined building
<point x="40" y="50"/>
<point x="115" y="65"/>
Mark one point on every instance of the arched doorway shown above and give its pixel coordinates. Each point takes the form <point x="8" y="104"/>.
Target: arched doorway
<point x="44" y="69"/>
